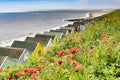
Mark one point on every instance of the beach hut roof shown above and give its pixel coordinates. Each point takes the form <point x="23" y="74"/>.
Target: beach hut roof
<point x="11" y="52"/>
<point x="69" y="30"/>
<point x="58" y="30"/>
<point x="43" y="41"/>
<point x="44" y="36"/>
<point x="54" y="33"/>
<point x="28" y="45"/>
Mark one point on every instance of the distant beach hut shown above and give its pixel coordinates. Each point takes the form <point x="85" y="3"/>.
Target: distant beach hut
<point x="44" y="43"/>
<point x="69" y="28"/>
<point x="58" y="34"/>
<point x="54" y="38"/>
<point x="33" y="48"/>
<point x="17" y="54"/>
<point x="6" y="61"/>
<point x="63" y="31"/>
<point x="77" y="27"/>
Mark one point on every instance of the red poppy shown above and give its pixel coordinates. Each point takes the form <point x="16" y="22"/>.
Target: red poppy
<point x="74" y="62"/>
<point x="29" y="70"/>
<point x="34" y="76"/>
<point x="78" y="67"/>
<point x="38" y="68"/>
<point x="77" y="50"/>
<point x="109" y="48"/>
<point x="68" y="56"/>
<point x="81" y="41"/>
<point x="19" y="73"/>
<point x="104" y="35"/>
<point x="104" y="40"/>
<point x="9" y="78"/>
<point x="91" y="51"/>
<point x="52" y="60"/>
<point x="61" y="53"/>
<point x="72" y="50"/>
<point x="60" y="62"/>
<point x="0" y="70"/>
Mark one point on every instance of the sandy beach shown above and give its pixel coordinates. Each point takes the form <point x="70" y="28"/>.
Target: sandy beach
<point x="96" y="14"/>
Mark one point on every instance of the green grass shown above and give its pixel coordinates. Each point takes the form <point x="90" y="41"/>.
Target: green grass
<point x="101" y="64"/>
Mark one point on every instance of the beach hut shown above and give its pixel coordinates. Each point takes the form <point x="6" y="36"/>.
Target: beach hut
<point x="59" y="34"/>
<point x="6" y="61"/>
<point x="69" y="28"/>
<point x="63" y="31"/>
<point x="77" y="27"/>
<point x="44" y="42"/>
<point x="34" y="49"/>
<point x="53" y="37"/>
<point x="17" y="54"/>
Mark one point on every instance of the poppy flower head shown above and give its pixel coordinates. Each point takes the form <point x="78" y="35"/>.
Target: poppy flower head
<point x="19" y="73"/>
<point x="38" y="68"/>
<point x="34" y="76"/>
<point x="74" y="62"/>
<point x="109" y="48"/>
<point x="61" y="53"/>
<point x="104" y="35"/>
<point x="72" y="50"/>
<point x="29" y="70"/>
<point x="78" y="67"/>
<point x="60" y="62"/>
<point x="52" y="60"/>
<point x="104" y="40"/>
<point x="9" y="78"/>
<point x="91" y="51"/>
<point x="81" y="41"/>
<point x="0" y="70"/>
<point x="68" y="56"/>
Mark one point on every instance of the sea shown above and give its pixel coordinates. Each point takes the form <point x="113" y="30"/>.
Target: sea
<point x="18" y="25"/>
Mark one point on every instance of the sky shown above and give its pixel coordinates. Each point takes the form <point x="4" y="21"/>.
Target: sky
<point x="31" y="5"/>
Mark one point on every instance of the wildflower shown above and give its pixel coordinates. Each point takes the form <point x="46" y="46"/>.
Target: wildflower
<point x="60" y="62"/>
<point x="91" y="51"/>
<point x="0" y="70"/>
<point x="61" y="53"/>
<point x="104" y="35"/>
<point x="81" y="41"/>
<point x="29" y="70"/>
<point x="38" y="68"/>
<point x="9" y="78"/>
<point x="52" y="60"/>
<point x="72" y="50"/>
<point x="77" y="50"/>
<point x="109" y="48"/>
<point x="34" y="76"/>
<point x="78" y="67"/>
<point x="104" y="40"/>
<point x="19" y="73"/>
<point x="74" y="62"/>
<point x="68" y="56"/>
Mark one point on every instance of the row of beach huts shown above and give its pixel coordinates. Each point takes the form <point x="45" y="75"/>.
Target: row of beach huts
<point x="19" y="51"/>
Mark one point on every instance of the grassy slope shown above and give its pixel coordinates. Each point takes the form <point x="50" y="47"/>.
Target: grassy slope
<point x="102" y="63"/>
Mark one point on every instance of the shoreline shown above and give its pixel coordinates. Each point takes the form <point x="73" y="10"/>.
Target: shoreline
<point x="7" y="43"/>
